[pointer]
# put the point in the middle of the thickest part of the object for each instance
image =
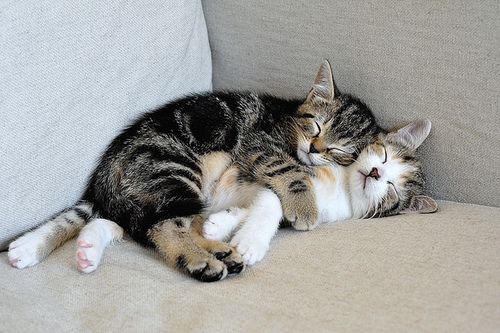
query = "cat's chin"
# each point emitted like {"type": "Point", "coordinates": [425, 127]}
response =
{"type": "Point", "coordinates": [304, 158]}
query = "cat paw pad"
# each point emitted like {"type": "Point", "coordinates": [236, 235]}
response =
{"type": "Point", "coordinates": [88, 256]}
{"type": "Point", "coordinates": [204, 269]}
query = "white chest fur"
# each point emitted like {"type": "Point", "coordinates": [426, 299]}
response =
{"type": "Point", "coordinates": [332, 195]}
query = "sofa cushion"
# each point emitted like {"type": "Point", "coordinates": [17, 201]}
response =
{"type": "Point", "coordinates": [420, 273]}
{"type": "Point", "coordinates": [407, 60]}
{"type": "Point", "coordinates": [72, 75]}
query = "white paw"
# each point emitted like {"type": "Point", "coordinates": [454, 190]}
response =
{"type": "Point", "coordinates": [213, 230]}
{"type": "Point", "coordinates": [219, 225]}
{"type": "Point", "coordinates": [24, 251]}
{"type": "Point", "coordinates": [93, 240]}
{"type": "Point", "coordinates": [88, 254]}
{"type": "Point", "coordinates": [251, 249]}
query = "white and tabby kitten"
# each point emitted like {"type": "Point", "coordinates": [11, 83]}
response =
{"type": "Point", "coordinates": [385, 180]}
{"type": "Point", "coordinates": [156, 178]}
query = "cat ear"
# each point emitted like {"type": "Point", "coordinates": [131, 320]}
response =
{"type": "Point", "coordinates": [413, 134]}
{"type": "Point", "coordinates": [324, 88]}
{"type": "Point", "coordinates": [421, 204]}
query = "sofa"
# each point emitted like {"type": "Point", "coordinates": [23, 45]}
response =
{"type": "Point", "coordinates": [73, 74]}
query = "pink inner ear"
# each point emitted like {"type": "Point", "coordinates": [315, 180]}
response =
{"type": "Point", "coordinates": [413, 134]}
{"type": "Point", "coordinates": [424, 204]}
{"type": "Point", "coordinates": [323, 87]}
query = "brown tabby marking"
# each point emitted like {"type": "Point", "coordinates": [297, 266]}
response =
{"type": "Point", "coordinates": [229, 179]}
{"type": "Point", "coordinates": [325, 174]}
{"type": "Point", "coordinates": [175, 243]}
{"type": "Point", "coordinates": [222, 251]}
{"type": "Point", "coordinates": [212, 166]}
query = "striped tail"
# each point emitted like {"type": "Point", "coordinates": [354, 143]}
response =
{"type": "Point", "coordinates": [34, 246]}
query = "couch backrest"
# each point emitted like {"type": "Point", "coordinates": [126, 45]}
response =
{"type": "Point", "coordinates": [407, 60]}
{"type": "Point", "coordinates": [72, 74]}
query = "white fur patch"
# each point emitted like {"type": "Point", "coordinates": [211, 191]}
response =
{"type": "Point", "coordinates": [34, 246]}
{"type": "Point", "coordinates": [227, 192]}
{"type": "Point", "coordinates": [253, 238]}
{"type": "Point", "coordinates": [92, 241]}
{"type": "Point", "coordinates": [24, 251]}
{"type": "Point", "coordinates": [332, 199]}
{"type": "Point", "coordinates": [219, 226]}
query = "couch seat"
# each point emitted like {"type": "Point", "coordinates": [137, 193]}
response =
{"type": "Point", "coordinates": [426, 273]}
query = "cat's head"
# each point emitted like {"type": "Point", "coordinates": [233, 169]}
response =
{"type": "Point", "coordinates": [387, 177]}
{"type": "Point", "coordinates": [332, 127]}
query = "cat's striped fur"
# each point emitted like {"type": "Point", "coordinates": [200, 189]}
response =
{"type": "Point", "coordinates": [386, 179]}
{"type": "Point", "coordinates": [157, 175]}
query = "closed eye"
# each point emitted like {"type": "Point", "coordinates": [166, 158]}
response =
{"type": "Point", "coordinates": [337, 149]}
{"type": "Point", "coordinates": [319, 129]}
{"type": "Point", "coordinates": [385, 159]}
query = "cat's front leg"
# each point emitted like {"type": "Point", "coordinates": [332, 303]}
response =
{"type": "Point", "coordinates": [299, 202]}
{"type": "Point", "coordinates": [292, 184]}
{"type": "Point", "coordinates": [254, 236]}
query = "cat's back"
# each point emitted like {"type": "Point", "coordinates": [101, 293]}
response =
{"type": "Point", "coordinates": [185, 130]}
{"type": "Point", "coordinates": [212, 121]}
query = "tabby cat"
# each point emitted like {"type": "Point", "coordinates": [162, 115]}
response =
{"type": "Point", "coordinates": [386, 179]}
{"type": "Point", "coordinates": [159, 174]}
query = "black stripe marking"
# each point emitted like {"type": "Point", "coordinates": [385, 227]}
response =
{"type": "Point", "coordinates": [259, 159]}
{"type": "Point", "coordinates": [161, 154]}
{"type": "Point", "coordinates": [412, 182]}
{"type": "Point", "coordinates": [169, 173]}
{"type": "Point", "coordinates": [297, 186]}
{"type": "Point", "coordinates": [81, 213]}
{"type": "Point", "coordinates": [181, 262]}
{"type": "Point", "coordinates": [408, 158]}
{"type": "Point", "coordinates": [281, 171]}
{"type": "Point", "coordinates": [175, 185]}
{"type": "Point", "coordinates": [275, 163]}
{"type": "Point", "coordinates": [180, 207]}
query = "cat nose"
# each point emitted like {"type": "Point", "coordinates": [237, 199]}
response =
{"type": "Point", "coordinates": [313, 149]}
{"type": "Point", "coordinates": [374, 173]}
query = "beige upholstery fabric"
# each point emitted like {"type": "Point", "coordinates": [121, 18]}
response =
{"type": "Point", "coordinates": [426, 273]}
{"type": "Point", "coordinates": [406, 59]}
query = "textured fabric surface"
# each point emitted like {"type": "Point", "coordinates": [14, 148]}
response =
{"type": "Point", "coordinates": [419, 273]}
{"type": "Point", "coordinates": [406, 59]}
{"type": "Point", "coordinates": [72, 75]}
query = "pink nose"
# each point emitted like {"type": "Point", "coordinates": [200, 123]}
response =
{"type": "Point", "coordinates": [374, 173]}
